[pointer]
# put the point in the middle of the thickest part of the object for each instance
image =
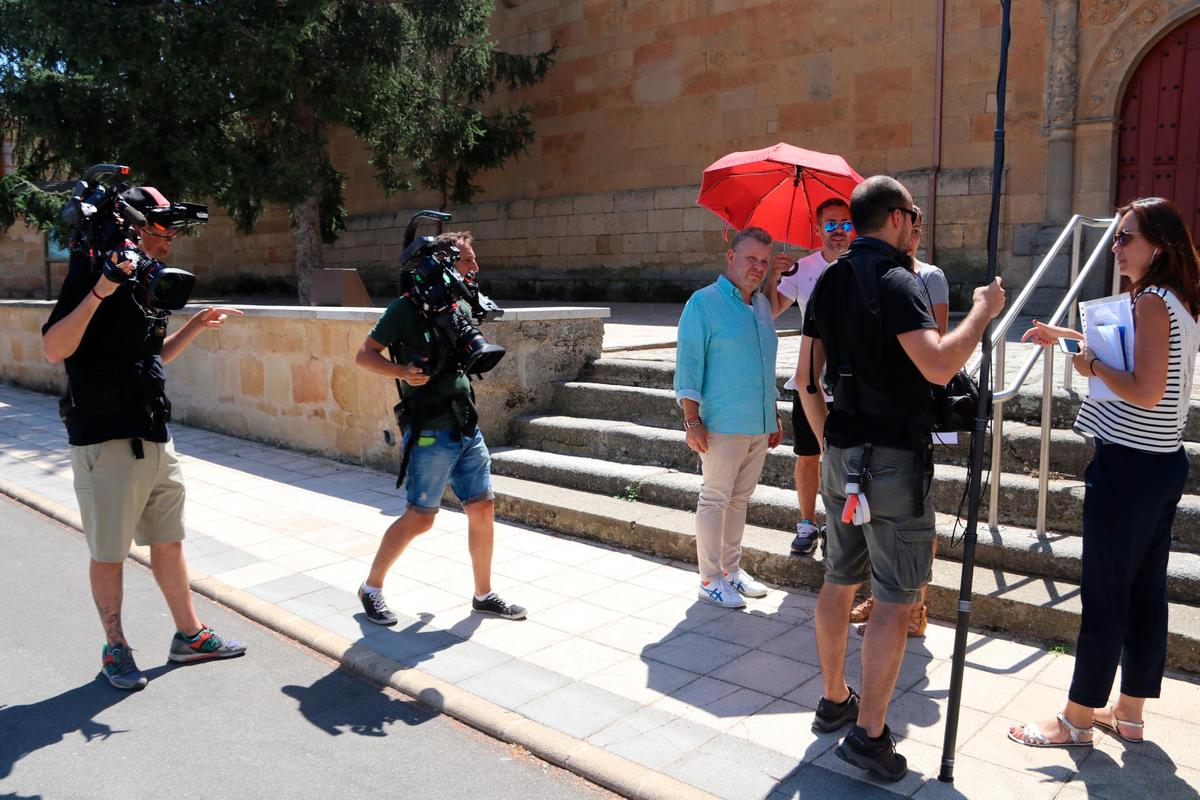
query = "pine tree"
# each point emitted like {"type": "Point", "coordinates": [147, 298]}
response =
{"type": "Point", "coordinates": [234, 100]}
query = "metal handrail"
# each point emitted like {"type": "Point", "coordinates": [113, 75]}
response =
{"type": "Point", "coordinates": [1067, 307]}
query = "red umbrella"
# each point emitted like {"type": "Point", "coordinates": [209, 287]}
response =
{"type": "Point", "coordinates": [778, 189]}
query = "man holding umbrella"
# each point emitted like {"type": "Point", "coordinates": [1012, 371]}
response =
{"type": "Point", "coordinates": [836, 231]}
{"type": "Point", "coordinates": [869, 320]}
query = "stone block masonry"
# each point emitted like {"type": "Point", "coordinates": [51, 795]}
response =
{"type": "Point", "coordinates": [286, 375]}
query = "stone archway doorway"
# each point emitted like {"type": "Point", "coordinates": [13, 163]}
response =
{"type": "Point", "coordinates": [1158, 150]}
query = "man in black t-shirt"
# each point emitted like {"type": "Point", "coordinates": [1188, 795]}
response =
{"type": "Point", "coordinates": [126, 475]}
{"type": "Point", "coordinates": [869, 319]}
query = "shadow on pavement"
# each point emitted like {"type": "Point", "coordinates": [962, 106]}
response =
{"type": "Point", "coordinates": [342, 702]}
{"type": "Point", "coordinates": [25, 729]}
{"type": "Point", "coordinates": [1144, 770]}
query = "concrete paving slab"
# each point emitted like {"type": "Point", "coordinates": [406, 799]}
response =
{"type": "Point", "coordinates": [576, 658]}
{"type": "Point", "coordinates": [765, 672]}
{"type": "Point", "coordinates": [578, 709]}
{"type": "Point", "coordinates": [640, 680]}
{"type": "Point", "coordinates": [458, 661]}
{"type": "Point", "coordinates": [663, 745]}
{"type": "Point", "coordinates": [694, 652]}
{"type": "Point", "coordinates": [578, 616]}
{"type": "Point", "coordinates": [514, 683]}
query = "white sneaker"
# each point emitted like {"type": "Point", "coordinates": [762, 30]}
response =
{"type": "Point", "coordinates": [745, 584]}
{"type": "Point", "coordinates": [721, 593]}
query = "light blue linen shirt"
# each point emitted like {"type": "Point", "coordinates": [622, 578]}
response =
{"type": "Point", "coordinates": [725, 359]}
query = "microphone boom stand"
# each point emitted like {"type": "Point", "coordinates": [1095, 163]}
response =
{"type": "Point", "coordinates": [983, 412]}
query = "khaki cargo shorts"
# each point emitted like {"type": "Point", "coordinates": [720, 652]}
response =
{"type": "Point", "coordinates": [894, 551]}
{"type": "Point", "coordinates": [124, 499]}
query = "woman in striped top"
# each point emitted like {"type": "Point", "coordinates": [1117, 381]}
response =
{"type": "Point", "coordinates": [1133, 483]}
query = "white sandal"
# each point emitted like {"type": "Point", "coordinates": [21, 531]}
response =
{"type": "Point", "coordinates": [1032, 736]}
{"type": "Point", "coordinates": [1115, 728]}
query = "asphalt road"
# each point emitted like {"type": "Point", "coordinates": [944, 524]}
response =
{"type": "Point", "coordinates": [280, 722]}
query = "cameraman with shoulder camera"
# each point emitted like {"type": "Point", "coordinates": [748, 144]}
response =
{"type": "Point", "coordinates": [448, 446]}
{"type": "Point", "coordinates": [127, 478]}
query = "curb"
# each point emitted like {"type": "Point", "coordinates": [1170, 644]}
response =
{"type": "Point", "coordinates": [586, 760]}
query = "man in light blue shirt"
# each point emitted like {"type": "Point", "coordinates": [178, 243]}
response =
{"type": "Point", "coordinates": [725, 383]}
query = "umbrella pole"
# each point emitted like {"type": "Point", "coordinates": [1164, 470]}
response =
{"type": "Point", "coordinates": [787, 231]}
{"type": "Point", "coordinates": [982, 414]}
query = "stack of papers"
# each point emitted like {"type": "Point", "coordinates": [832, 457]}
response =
{"type": "Point", "coordinates": [1108, 332]}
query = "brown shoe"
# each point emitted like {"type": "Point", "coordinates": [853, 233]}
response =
{"type": "Point", "coordinates": [917, 621]}
{"type": "Point", "coordinates": [862, 611]}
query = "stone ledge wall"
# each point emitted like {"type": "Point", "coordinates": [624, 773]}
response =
{"type": "Point", "coordinates": [286, 375]}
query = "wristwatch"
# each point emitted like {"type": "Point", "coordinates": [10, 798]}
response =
{"type": "Point", "coordinates": [691, 423]}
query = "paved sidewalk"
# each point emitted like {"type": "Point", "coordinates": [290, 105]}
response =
{"type": "Point", "coordinates": [616, 650]}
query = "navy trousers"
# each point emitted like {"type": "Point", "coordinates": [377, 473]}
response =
{"type": "Point", "coordinates": [1128, 508]}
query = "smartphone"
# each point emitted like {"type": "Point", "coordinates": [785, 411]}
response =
{"type": "Point", "coordinates": [1071, 347]}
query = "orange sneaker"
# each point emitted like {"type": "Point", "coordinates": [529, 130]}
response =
{"type": "Point", "coordinates": [918, 619]}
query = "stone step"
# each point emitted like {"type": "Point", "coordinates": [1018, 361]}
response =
{"type": "Point", "coordinates": [1069, 452]}
{"type": "Point", "coordinates": [1025, 407]}
{"type": "Point", "coordinates": [1011, 548]}
{"type": "Point", "coordinates": [631, 451]}
{"type": "Point", "coordinates": [1045, 610]}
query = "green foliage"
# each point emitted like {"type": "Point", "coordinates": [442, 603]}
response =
{"type": "Point", "coordinates": [453, 134]}
{"type": "Point", "coordinates": [235, 99]}
{"type": "Point", "coordinates": [629, 494]}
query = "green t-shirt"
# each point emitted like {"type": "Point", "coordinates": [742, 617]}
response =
{"type": "Point", "coordinates": [402, 330]}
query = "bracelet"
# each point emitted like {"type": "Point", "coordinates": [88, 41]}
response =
{"type": "Point", "coordinates": [1092, 364]}
{"type": "Point", "coordinates": [98, 297]}
{"type": "Point", "coordinates": [691, 423]}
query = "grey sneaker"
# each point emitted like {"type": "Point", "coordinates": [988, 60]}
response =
{"type": "Point", "coordinates": [119, 668]}
{"type": "Point", "coordinates": [492, 604]}
{"type": "Point", "coordinates": [205, 645]}
{"type": "Point", "coordinates": [808, 536]}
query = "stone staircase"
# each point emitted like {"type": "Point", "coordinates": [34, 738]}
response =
{"type": "Point", "coordinates": [609, 462]}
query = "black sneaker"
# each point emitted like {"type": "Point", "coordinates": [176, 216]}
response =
{"type": "Point", "coordinates": [375, 607]}
{"type": "Point", "coordinates": [492, 604]}
{"type": "Point", "coordinates": [874, 755]}
{"type": "Point", "coordinates": [832, 716]}
{"type": "Point", "coordinates": [808, 536]}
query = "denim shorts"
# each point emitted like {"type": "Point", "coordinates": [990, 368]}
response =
{"type": "Point", "coordinates": [439, 458]}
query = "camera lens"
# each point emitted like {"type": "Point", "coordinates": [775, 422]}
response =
{"type": "Point", "coordinates": [169, 288]}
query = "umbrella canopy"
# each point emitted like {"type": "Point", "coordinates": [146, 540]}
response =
{"type": "Point", "coordinates": [778, 189]}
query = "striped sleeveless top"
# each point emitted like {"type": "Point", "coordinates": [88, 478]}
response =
{"type": "Point", "coordinates": [1158, 429]}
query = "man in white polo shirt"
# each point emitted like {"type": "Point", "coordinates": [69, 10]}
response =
{"type": "Point", "coordinates": [795, 284]}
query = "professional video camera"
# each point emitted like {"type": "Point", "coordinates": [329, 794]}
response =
{"type": "Point", "coordinates": [103, 222]}
{"type": "Point", "coordinates": [428, 276]}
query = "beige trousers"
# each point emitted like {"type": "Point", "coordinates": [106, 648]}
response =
{"type": "Point", "coordinates": [730, 469]}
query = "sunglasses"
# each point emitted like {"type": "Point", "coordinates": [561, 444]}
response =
{"type": "Point", "coordinates": [847, 226]}
{"type": "Point", "coordinates": [911, 214]}
{"type": "Point", "coordinates": [159, 231]}
{"type": "Point", "coordinates": [1122, 237]}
